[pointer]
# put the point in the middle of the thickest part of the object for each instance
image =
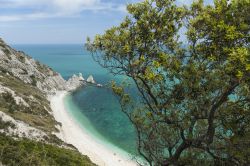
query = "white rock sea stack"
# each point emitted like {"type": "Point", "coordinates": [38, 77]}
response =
{"type": "Point", "coordinates": [90, 79]}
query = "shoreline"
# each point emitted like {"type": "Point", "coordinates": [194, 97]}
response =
{"type": "Point", "coordinates": [87, 144]}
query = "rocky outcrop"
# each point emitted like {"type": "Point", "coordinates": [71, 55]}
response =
{"type": "Point", "coordinates": [74, 82]}
{"type": "Point", "coordinates": [30, 71]}
{"type": "Point", "coordinates": [20, 129]}
{"type": "Point", "coordinates": [18, 100]}
{"type": "Point", "coordinates": [90, 79]}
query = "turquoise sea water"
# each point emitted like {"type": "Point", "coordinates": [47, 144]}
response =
{"type": "Point", "coordinates": [95, 108]}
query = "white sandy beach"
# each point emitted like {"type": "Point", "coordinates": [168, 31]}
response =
{"type": "Point", "coordinates": [73, 134]}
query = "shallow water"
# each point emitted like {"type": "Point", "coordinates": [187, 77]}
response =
{"type": "Point", "coordinates": [102, 110]}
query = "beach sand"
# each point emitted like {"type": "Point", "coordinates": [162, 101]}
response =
{"type": "Point", "coordinates": [72, 133]}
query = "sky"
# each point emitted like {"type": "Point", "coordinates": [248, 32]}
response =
{"type": "Point", "coordinates": [59, 21]}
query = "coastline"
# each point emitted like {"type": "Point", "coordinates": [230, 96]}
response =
{"type": "Point", "coordinates": [72, 133]}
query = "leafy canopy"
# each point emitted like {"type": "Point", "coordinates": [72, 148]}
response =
{"type": "Point", "coordinates": [195, 97]}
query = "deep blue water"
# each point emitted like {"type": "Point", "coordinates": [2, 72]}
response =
{"type": "Point", "coordinates": [98, 105]}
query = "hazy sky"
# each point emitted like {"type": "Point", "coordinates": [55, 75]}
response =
{"type": "Point", "coordinates": [59, 21]}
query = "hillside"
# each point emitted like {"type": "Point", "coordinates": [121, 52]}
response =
{"type": "Point", "coordinates": [27, 126]}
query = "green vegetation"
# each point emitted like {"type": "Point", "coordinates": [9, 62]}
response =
{"type": "Point", "coordinates": [25, 152]}
{"type": "Point", "coordinates": [21, 58]}
{"type": "Point", "coordinates": [34, 81]}
{"type": "Point", "coordinates": [3, 70]}
{"type": "Point", "coordinates": [195, 99]}
{"type": "Point", "coordinates": [10, 102]}
{"type": "Point", "coordinates": [37, 115]}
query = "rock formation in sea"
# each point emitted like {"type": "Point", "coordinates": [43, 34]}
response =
{"type": "Point", "coordinates": [90, 79]}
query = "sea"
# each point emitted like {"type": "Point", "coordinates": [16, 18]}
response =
{"type": "Point", "coordinates": [95, 109]}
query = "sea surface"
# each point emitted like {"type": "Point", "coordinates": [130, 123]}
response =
{"type": "Point", "coordinates": [96, 109]}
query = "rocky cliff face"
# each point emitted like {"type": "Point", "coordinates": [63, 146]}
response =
{"type": "Point", "coordinates": [20, 65]}
{"type": "Point", "coordinates": [25, 113]}
{"type": "Point", "coordinates": [25, 86]}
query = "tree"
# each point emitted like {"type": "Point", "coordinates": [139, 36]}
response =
{"type": "Point", "coordinates": [195, 98]}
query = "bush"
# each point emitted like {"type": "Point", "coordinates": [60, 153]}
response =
{"type": "Point", "coordinates": [26, 152]}
{"type": "Point", "coordinates": [11, 102]}
{"type": "Point", "coordinates": [34, 82]}
{"type": "Point", "coordinates": [5, 125]}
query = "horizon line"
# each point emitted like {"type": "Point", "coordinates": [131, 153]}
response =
{"type": "Point", "coordinates": [46, 43]}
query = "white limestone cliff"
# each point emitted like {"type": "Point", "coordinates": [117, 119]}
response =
{"type": "Point", "coordinates": [30, 71]}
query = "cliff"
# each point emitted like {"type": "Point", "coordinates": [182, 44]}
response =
{"type": "Point", "coordinates": [25, 115]}
{"type": "Point", "coordinates": [23, 67]}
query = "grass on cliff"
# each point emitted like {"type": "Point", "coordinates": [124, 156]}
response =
{"type": "Point", "coordinates": [37, 115]}
{"type": "Point", "coordinates": [26, 152]}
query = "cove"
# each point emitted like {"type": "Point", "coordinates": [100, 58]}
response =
{"type": "Point", "coordinates": [95, 109]}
